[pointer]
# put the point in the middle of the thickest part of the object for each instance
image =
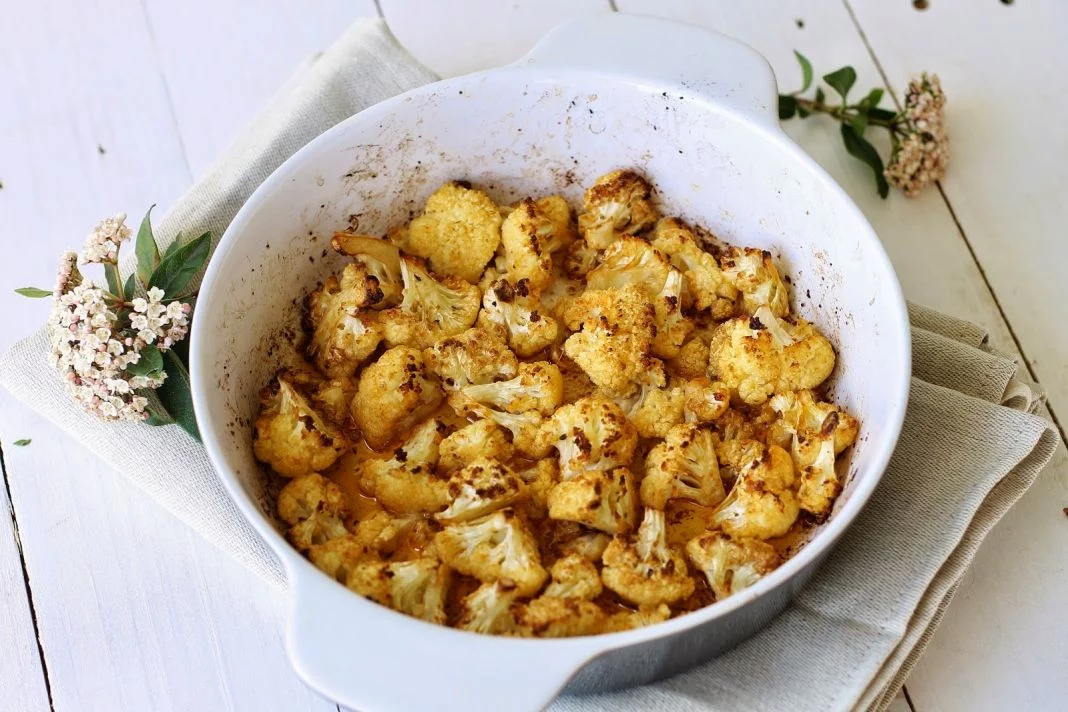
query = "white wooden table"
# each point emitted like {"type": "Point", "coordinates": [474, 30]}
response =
{"type": "Point", "coordinates": [107, 603]}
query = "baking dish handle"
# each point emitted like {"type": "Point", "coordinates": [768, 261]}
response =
{"type": "Point", "coordinates": [667, 54]}
{"type": "Point", "coordinates": [376, 660]}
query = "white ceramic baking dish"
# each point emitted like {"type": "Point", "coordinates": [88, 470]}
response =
{"type": "Point", "coordinates": [696, 112]}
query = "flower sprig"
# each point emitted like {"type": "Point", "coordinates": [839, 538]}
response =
{"type": "Point", "coordinates": [919, 143]}
{"type": "Point", "coordinates": [118, 348]}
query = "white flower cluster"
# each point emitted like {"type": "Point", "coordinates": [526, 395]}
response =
{"type": "Point", "coordinates": [921, 157]}
{"type": "Point", "coordinates": [159, 323]}
{"type": "Point", "coordinates": [102, 244]}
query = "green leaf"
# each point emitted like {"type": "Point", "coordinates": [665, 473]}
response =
{"type": "Point", "coordinates": [175, 244]}
{"type": "Point", "coordinates": [859, 123]}
{"type": "Point", "coordinates": [841, 80]}
{"type": "Point", "coordinates": [872, 99]}
{"type": "Point", "coordinates": [803, 112]}
{"type": "Point", "coordinates": [806, 71]}
{"type": "Point", "coordinates": [23, 442]}
{"type": "Point", "coordinates": [111, 273]}
{"type": "Point", "coordinates": [820, 96]}
{"type": "Point", "coordinates": [146, 249]}
{"type": "Point", "coordinates": [158, 416]}
{"type": "Point", "coordinates": [175, 270]}
{"type": "Point", "coordinates": [175, 395]}
{"type": "Point", "coordinates": [130, 286]}
{"type": "Point", "coordinates": [787, 106]}
{"type": "Point", "coordinates": [882, 114]}
{"type": "Point", "coordinates": [859, 148]}
{"type": "Point", "coordinates": [34, 292]}
{"type": "Point", "coordinates": [151, 361]}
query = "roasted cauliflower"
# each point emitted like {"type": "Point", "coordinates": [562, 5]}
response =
{"type": "Point", "coordinates": [457, 233]}
{"type": "Point", "coordinates": [646, 571]}
{"type": "Point", "coordinates": [533, 230]}
{"type": "Point", "coordinates": [315, 510]}
{"type": "Point", "coordinates": [573, 576]}
{"type": "Point", "coordinates": [691, 361]}
{"type": "Point", "coordinates": [513, 310]}
{"type": "Point", "coordinates": [417, 587]}
{"type": "Point", "coordinates": [538, 386]}
{"type": "Point", "coordinates": [630, 260]}
{"type": "Point", "coordinates": [591, 434]}
{"type": "Point", "coordinates": [343, 331]}
{"type": "Point", "coordinates": [482, 487]}
{"type": "Point", "coordinates": [430, 309]}
{"type": "Point", "coordinates": [497, 547]}
{"type": "Point", "coordinates": [395, 393]}
{"type": "Point", "coordinates": [656, 406]}
{"type": "Point", "coordinates": [704, 400]}
{"type": "Point", "coordinates": [406, 483]}
{"type": "Point", "coordinates": [475, 356]}
{"type": "Point", "coordinates": [380, 259]}
{"type": "Point", "coordinates": [600, 500]}
{"type": "Point", "coordinates": [488, 609]}
{"type": "Point", "coordinates": [757, 356]}
{"type": "Point", "coordinates": [706, 284]}
{"type": "Point", "coordinates": [482, 438]}
{"type": "Point", "coordinates": [804, 423]}
{"type": "Point", "coordinates": [552, 617]}
{"type": "Point", "coordinates": [754, 275]}
{"type": "Point", "coordinates": [618, 203]}
{"type": "Point", "coordinates": [731, 565]}
{"type": "Point", "coordinates": [762, 503]}
{"type": "Point", "coordinates": [683, 466]}
{"type": "Point", "coordinates": [290, 435]}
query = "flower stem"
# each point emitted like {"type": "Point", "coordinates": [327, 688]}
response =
{"type": "Point", "coordinates": [846, 113]}
{"type": "Point", "coordinates": [111, 271]}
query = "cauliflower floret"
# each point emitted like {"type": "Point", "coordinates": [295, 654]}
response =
{"type": "Point", "coordinates": [629, 620]}
{"type": "Point", "coordinates": [760, 355]}
{"type": "Point", "coordinates": [804, 422]}
{"type": "Point", "coordinates": [332, 398]}
{"type": "Point", "coordinates": [290, 436]}
{"type": "Point", "coordinates": [475, 356]}
{"type": "Point", "coordinates": [683, 466]}
{"type": "Point", "coordinates": [556, 298]}
{"type": "Point", "coordinates": [431, 308]}
{"type": "Point", "coordinates": [406, 482]}
{"type": "Point", "coordinates": [488, 609]}
{"type": "Point", "coordinates": [577, 384]}
{"type": "Point", "coordinates": [529, 235]}
{"type": "Point", "coordinates": [558, 212]}
{"type": "Point", "coordinates": [691, 361]}
{"type": "Point", "coordinates": [736, 438]}
{"type": "Point", "coordinates": [482, 487]}
{"type": "Point", "coordinates": [590, 434]}
{"type": "Point", "coordinates": [539, 386]}
{"type": "Point", "coordinates": [589, 546]}
{"type": "Point", "coordinates": [417, 587]}
{"type": "Point", "coordinates": [338, 556]}
{"type": "Point", "coordinates": [617, 203]}
{"type": "Point", "coordinates": [753, 273]}
{"type": "Point", "coordinates": [600, 500]}
{"type": "Point", "coordinates": [731, 565]}
{"type": "Point", "coordinates": [513, 310]}
{"type": "Point", "coordinates": [614, 331]}
{"type": "Point", "coordinates": [762, 503]}
{"type": "Point", "coordinates": [580, 259]}
{"type": "Point", "coordinates": [540, 480]}
{"type": "Point", "coordinates": [315, 509]}
{"type": "Point", "coordinates": [495, 547]}
{"type": "Point", "coordinates": [706, 284]}
{"type": "Point", "coordinates": [457, 233]}
{"type": "Point", "coordinates": [524, 427]}
{"type": "Point", "coordinates": [551, 617]}
{"type": "Point", "coordinates": [379, 258]}
{"type": "Point", "coordinates": [705, 400]}
{"type": "Point", "coordinates": [574, 577]}
{"type": "Point", "coordinates": [672, 327]}
{"type": "Point", "coordinates": [482, 438]}
{"type": "Point", "coordinates": [656, 407]}
{"type": "Point", "coordinates": [630, 260]}
{"type": "Point", "coordinates": [381, 532]}
{"type": "Point", "coordinates": [647, 572]}
{"type": "Point", "coordinates": [342, 329]}
{"type": "Point", "coordinates": [395, 393]}
{"type": "Point", "coordinates": [818, 483]}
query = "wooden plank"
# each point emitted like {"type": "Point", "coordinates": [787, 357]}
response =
{"type": "Point", "coordinates": [22, 677]}
{"type": "Point", "coordinates": [484, 34]}
{"type": "Point", "coordinates": [223, 60]}
{"type": "Point", "coordinates": [135, 611]}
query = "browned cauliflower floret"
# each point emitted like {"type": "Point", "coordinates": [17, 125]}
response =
{"type": "Point", "coordinates": [482, 487]}
{"type": "Point", "coordinates": [557, 297]}
{"type": "Point", "coordinates": [731, 565]}
{"type": "Point", "coordinates": [576, 383]}
{"type": "Point", "coordinates": [629, 620]}
{"type": "Point", "coordinates": [379, 258]}
{"type": "Point", "coordinates": [333, 399]}
{"type": "Point", "coordinates": [756, 356]}
{"type": "Point", "coordinates": [753, 273]}
{"type": "Point", "coordinates": [736, 438]}
{"type": "Point", "coordinates": [482, 438]}
{"type": "Point", "coordinates": [591, 434]}
{"type": "Point", "coordinates": [580, 259]}
{"type": "Point", "coordinates": [706, 284]}
{"type": "Point", "coordinates": [818, 483]}
{"type": "Point", "coordinates": [617, 203]}
{"type": "Point", "coordinates": [524, 427]}
{"type": "Point", "coordinates": [683, 466]}
{"type": "Point", "coordinates": [343, 331]}
{"type": "Point", "coordinates": [406, 483]}
{"type": "Point", "coordinates": [395, 393]}
{"type": "Point", "coordinates": [457, 233]}
{"type": "Point", "coordinates": [655, 407]}
{"type": "Point", "coordinates": [290, 435]}
{"type": "Point", "coordinates": [338, 556]}
{"type": "Point", "coordinates": [574, 577]}
{"type": "Point", "coordinates": [539, 386]}
{"type": "Point", "coordinates": [762, 503]}
{"type": "Point", "coordinates": [488, 609]}
{"type": "Point", "coordinates": [513, 310]}
{"type": "Point", "coordinates": [315, 510]}
{"type": "Point", "coordinates": [600, 500]}
{"type": "Point", "coordinates": [530, 233]}
{"type": "Point", "coordinates": [430, 309]}
{"type": "Point", "coordinates": [381, 532]}
{"type": "Point", "coordinates": [551, 617]}
{"type": "Point", "coordinates": [691, 361]}
{"type": "Point", "coordinates": [647, 572]}
{"type": "Point", "coordinates": [590, 545]}
{"type": "Point", "coordinates": [672, 327]}
{"type": "Point", "coordinates": [418, 587]}
{"type": "Point", "coordinates": [540, 480]}
{"type": "Point", "coordinates": [614, 331]}
{"type": "Point", "coordinates": [494, 548]}
{"type": "Point", "coordinates": [804, 423]}
{"type": "Point", "coordinates": [706, 400]}
{"type": "Point", "coordinates": [630, 260]}
{"type": "Point", "coordinates": [475, 356]}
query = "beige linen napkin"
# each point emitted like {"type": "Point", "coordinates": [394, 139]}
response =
{"type": "Point", "coordinates": [969, 449]}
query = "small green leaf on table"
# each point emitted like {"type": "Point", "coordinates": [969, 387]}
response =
{"type": "Point", "coordinates": [841, 80]}
{"type": "Point", "coordinates": [806, 71]}
{"type": "Point", "coordinates": [787, 106]}
{"type": "Point", "coordinates": [860, 148]}
{"type": "Point", "coordinates": [34, 292]}
{"type": "Point", "coordinates": [23, 442]}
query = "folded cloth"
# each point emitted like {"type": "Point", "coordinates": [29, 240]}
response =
{"type": "Point", "coordinates": [970, 447]}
